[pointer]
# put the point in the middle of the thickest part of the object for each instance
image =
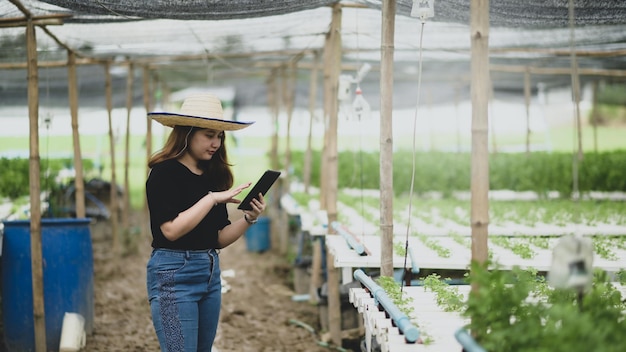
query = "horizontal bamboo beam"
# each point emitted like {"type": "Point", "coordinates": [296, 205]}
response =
{"type": "Point", "coordinates": [37, 21]}
{"type": "Point", "coordinates": [558, 70]}
{"type": "Point", "coordinates": [561, 52]}
{"type": "Point", "coordinates": [51, 64]}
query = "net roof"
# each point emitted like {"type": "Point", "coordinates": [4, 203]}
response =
{"type": "Point", "coordinates": [236, 43]}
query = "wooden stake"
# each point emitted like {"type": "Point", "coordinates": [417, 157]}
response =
{"type": "Point", "coordinates": [129, 106]}
{"type": "Point", "coordinates": [147, 102]}
{"type": "Point", "coordinates": [308, 156]}
{"type": "Point", "coordinates": [575, 89]}
{"type": "Point", "coordinates": [595, 115]}
{"type": "Point", "coordinates": [527, 104]}
{"type": "Point", "coordinates": [386, 137]}
{"type": "Point", "coordinates": [79, 183]}
{"type": "Point", "coordinates": [480, 88]}
{"type": "Point", "coordinates": [272, 98]}
{"type": "Point", "coordinates": [35, 191]}
{"type": "Point", "coordinates": [115, 244]}
{"type": "Point", "coordinates": [332, 163]}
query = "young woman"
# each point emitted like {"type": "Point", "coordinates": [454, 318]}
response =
{"type": "Point", "coordinates": [189, 185]}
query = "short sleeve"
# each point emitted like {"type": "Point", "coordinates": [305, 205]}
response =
{"type": "Point", "coordinates": [161, 192]}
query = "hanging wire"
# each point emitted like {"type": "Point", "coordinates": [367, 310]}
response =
{"type": "Point", "coordinates": [419, 86]}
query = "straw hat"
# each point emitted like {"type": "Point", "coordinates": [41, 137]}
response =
{"type": "Point", "coordinates": [199, 110]}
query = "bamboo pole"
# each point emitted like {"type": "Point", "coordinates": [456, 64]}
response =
{"type": "Point", "coordinates": [35, 20]}
{"type": "Point", "coordinates": [527, 104]}
{"type": "Point", "coordinates": [480, 88]}
{"type": "Point", "coordinates": [594, 115]}
{"type": "Point", "coordinates": [386, 137]}
{"type": "Point", "coordinates": [457, 98]}
{"type": "Point", "coordinates": [147, 102]}
{"type": "Point", "coordinates": [558, 70]}
{"type": "Point", "coordinates": [334, 63]}
{"type": "Point", "coordinates": [290, 101]}
{"type": "Point", "coordinates": [115, 244]}
{"type": "Point", "coordinates": [272, 102]}
{"type": "Point", "coordinates": [39, 316]}
{"type": "Point", "coordinates": [129, 107]}
{"type": "Point", "coordinates": [327, 60]}
{"type": "Point", "coordinates": [272, 97]}
{"type": "Point", "coordinates": [79, 183]}
{"type": "Point", "coordinates": [575, 86]}
{"type": "Point", "coordinates": [492, 125]}
{"type": "Point", "coordinates": [308, 156]}
{"type": "Point", "coordinates": [316, 260]}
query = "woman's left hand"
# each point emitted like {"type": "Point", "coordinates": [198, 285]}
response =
{"type": "Point", "coordinates": [258, 206]}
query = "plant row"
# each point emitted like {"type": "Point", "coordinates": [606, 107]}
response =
{"type": "Point", "coordinates": [540, 172]}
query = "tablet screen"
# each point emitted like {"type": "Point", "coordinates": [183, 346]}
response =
{"type": "Point", "coordinates": [262, 186]}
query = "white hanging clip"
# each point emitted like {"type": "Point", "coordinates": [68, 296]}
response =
{"type": "Point", "coordinates": [360, 107]}
{"type": "Point", "coordinates": [423, 9]}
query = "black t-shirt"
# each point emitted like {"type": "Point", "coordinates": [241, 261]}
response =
{"type": "Point", "coordinates": [172, 188]}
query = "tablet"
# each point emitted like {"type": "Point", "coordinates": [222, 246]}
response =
{"type": "Point", "coordinates": [262, 186]}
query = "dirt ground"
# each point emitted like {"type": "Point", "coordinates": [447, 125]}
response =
{"type": "Point", "coordinates": [256, 309]}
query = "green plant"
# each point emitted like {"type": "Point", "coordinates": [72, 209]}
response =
{"type": "Point", "coordinates": [448, 297]}
{"type": "Point", "coordinates": [394, 291]}
{"type": "Point", "coordinates": [515, 311]}
{"type": "Point", "coordinates": [521, 249]}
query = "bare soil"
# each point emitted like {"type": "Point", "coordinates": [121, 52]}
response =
{"type": "Point", "coordinates": [257, 309]}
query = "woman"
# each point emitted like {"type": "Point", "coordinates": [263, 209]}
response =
{"type": "Point", "coordinates": [187, 190]}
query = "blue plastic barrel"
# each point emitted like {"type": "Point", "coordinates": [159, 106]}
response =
{"type": "Point", "coordinates": [258, 235]}
{"type": "Point", "coordinates": [67, 280]}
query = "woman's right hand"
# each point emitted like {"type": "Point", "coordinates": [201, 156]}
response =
{"type": "Point", "coordinates": [229, 195]}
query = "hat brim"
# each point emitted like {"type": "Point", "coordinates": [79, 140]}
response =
{"type": "Point", "coordinates": [171, 120]}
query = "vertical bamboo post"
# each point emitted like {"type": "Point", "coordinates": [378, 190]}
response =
{"type": "Point", "coordinates": [332, 164]}
{"type": "Point", "coordinates": [326, 107]}
{"type": "Point", "coordinates": [147, 102]}
{"type": "Point", "coordinates": [129, 105]}
{"type": "Point", "coordinates": [79, 183]}
{"type": "Point", "coordinates": [39, 315]}
{"type": "Point", "coordinates": [386, 137]}
{"type": "Point", "coordinates": [594, 116]}
{"type": "Point", "coordinates": [308, 156]}
{"type": "Point", "coordinates": [113, 192]}
{"type": "Point", "coordinates": [527, 104]}
{"type": "Point", "coordinates": [273, 100]}
{"type": "Point", "coordinates": [480, 88]}
{"type": "Point", "coordinates": [316, 261]}
{"type": "Point", "coordinates": [287, 102]}
{"type": "Point", "coordinates": [165, 99]}
{"type": "Point", "coordinates": [272, 97]}
{"type": "Point", "coordinates": [492, 125]}
{"type": "Point", "coordinates": [575, 89]}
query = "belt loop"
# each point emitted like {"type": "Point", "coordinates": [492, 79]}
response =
{"type": "Point", "coordinates": [187, 254]}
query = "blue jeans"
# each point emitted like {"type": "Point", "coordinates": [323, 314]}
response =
{"type": "Point", "coordinates": [185, 294]}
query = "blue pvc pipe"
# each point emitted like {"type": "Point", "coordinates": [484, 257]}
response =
{"type": "Point", "coordinates": [402, 321]}
{"type": "Point", "coordinates": [352, 242]}
{"type": "Point", "coordinates": [414, 267]}
{"type": "Point", "coordinates": [467, 341]}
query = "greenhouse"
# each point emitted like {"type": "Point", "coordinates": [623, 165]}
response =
{"type": "Point", "coordinates": [452, 173]}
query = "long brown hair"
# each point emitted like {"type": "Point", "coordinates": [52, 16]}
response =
{"type": "Point", "coordinates": [178, 142]}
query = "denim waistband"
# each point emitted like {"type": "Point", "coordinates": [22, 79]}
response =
{"type": "Point", "coordinates": [188, 253]}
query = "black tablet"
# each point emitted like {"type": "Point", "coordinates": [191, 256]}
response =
{"type": "Point", "coordinates": [262, 186]}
